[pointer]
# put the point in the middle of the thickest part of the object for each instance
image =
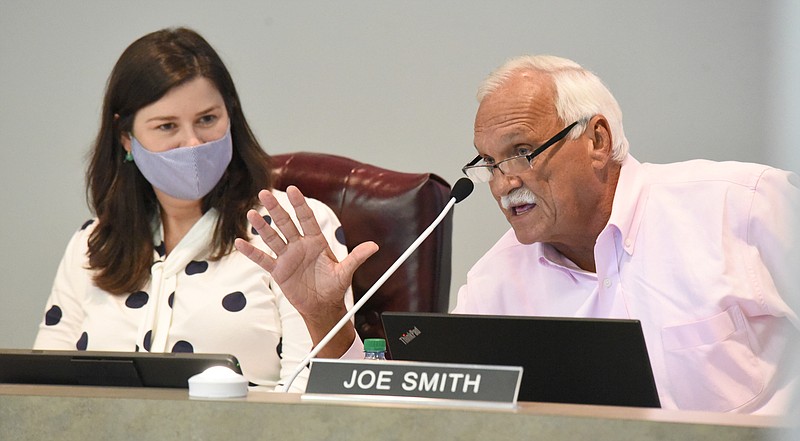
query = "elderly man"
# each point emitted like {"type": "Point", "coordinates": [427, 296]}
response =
{"type": "Point", "coordinates": [697, 251]}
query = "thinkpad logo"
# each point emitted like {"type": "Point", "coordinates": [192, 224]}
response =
{"type": "Point", "coordinates": [411, 334]}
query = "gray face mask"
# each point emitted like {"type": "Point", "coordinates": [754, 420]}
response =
{"type": "Point", "coordinates": [185, 172]}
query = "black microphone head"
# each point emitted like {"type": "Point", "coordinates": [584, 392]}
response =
{"type": "Point", "coordinates": [462, 189]}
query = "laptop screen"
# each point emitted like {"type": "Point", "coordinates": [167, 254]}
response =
{"type": "Point", "coordinates": [131, 369]}
{"type": "Point", "coordinates": [564, 360]}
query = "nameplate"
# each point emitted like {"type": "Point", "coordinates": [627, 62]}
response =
{"type": "Point", "coordinates": [415, 380]}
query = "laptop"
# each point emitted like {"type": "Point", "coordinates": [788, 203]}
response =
{"type": "Point", "coordinates": [564, 360]}
{"type": "Point", "coordinates": [95, 368]}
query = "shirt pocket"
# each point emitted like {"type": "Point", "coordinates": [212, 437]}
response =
{"type": "Point", "coordinates": [710, 363]}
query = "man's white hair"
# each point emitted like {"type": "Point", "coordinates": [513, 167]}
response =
{"type": "Point", "coordinates": [580, 94]}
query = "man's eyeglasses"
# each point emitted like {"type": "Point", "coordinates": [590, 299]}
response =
{"type": "Point", "coordinates": [510, 166]}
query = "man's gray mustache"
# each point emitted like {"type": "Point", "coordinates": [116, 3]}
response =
{"type": "Point", "coordinates": [520, 196]}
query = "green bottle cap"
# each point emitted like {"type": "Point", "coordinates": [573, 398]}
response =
{"type": "Point", "coordinates": [374, 345]}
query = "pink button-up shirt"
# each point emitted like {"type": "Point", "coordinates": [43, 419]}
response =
{"type": "Point", "coordinates": [698, 252]}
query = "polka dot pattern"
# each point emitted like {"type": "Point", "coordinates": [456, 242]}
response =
{"type": "Point", "coordinates": [183, 346]}
{"type": "Point", "coordinates": [340, 235]}
{"type": "Point", "coordinates": [234, 302]}
{"type": "Point", "coordinates": [161, 249]}
{"type": "Point", "coordinates": [224, 305]}
{"type": "Point", "coordinates": [53, 316]}
{"type": "Point", "coordinates": [267, 219]}
{"type": "Point", "coordinates": [83, 342]}
{"type": "Point", "coordinates": [137, 300]}
{"type": "Point", "coordinates": [148, 341]}
{"type": "Point", "coordinates": [196, 267]}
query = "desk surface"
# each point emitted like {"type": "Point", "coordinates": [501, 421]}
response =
{"type": "Point", "coordinates": [66, 413]}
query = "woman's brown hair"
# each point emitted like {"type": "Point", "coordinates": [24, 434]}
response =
{"type": "Point", "coordinates": [121, 244]}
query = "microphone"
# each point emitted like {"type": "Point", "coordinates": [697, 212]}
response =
{"type": "Point", "coordinates": [462, 188]}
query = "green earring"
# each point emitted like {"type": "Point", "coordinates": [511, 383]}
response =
{"type": "Point", "coordinates": [128, 157]}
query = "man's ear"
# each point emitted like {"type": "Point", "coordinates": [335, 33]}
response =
{"type": "Point", "coordinates": [600, 147]}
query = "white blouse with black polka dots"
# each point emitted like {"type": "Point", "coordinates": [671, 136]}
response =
{"type": "Point", "coordinates": [190, 304]}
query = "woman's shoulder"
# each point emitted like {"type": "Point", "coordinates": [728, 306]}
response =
{"type": "Point", "coordinates": [85, 230]}
{"type": "Point", "coordinates": [78, 245]}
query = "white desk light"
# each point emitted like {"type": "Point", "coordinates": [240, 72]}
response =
{"type": "Point", "coordinates": [217, 382]}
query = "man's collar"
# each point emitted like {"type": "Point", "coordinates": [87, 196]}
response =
{"type": "Point", "coordinates": [626, 213]}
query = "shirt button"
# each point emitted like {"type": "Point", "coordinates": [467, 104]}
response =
{"type": "Point", "coordinates": [607, 283]}
{"type": "Point", "coordinates": [627, 242]}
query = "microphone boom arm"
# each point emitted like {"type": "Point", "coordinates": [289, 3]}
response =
{"type": "Point", "coordinates": [329, 336]}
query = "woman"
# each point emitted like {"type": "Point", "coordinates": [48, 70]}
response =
{"type": "Point", "coordinates": [173, 172]}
